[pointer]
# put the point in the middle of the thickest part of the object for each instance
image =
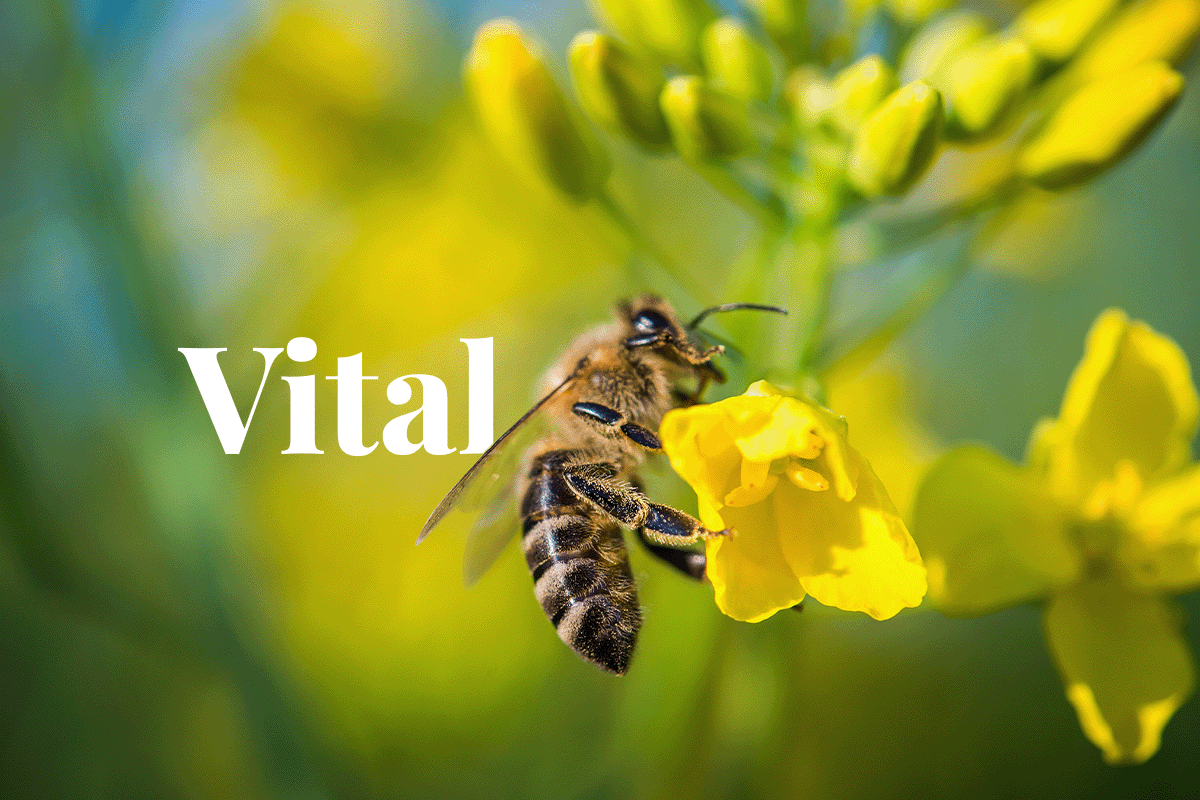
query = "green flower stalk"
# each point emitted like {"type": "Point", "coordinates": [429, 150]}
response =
{"type": "Point", "coordinates": [898, 142]}
{"type": "Point", "coordinates": [736, 61]}
{"type": "Point", "coordinates": [707, 124]}
{"type": "Point", "coordinates": [1099, 125]}
{"type": "Point", "coordinates": [526, 115]}
{"type": "Point", "coordinates": [618, 90]}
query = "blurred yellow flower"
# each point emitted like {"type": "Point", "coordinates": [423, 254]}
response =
{"type": "Point", "coordinates": [527, 116]}
{"type": "Point", "coordinates": [1099, 125]}
{"type": "Point", "coordinates": [808, 513]}
{"type": "Point", "coordinates": [1103, 521]}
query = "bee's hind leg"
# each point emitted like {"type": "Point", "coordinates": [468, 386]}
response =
{"type": "Point", "coordinates": [689, 562]}
{"type": "Point", "coordinates": [627, 505]}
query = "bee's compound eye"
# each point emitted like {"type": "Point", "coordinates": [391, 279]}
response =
{"type": "Point", "coordinates": [650, 321]}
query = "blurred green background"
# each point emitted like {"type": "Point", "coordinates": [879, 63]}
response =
{"type": "Point", "coordinates": [181, 623]}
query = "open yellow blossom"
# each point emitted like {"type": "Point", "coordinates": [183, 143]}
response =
{"type": "Point", "coordinates": [1102, 522]}
{"type": "Point", "coordinates": [808, 513]}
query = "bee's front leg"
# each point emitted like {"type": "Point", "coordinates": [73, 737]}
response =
{"type": "Point", "coordinates": [601, 414]}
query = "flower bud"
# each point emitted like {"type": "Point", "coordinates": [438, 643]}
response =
{"type": "Point", "coordinates": [983, 85]}
{"type": "Point", "coordinates": [897, 142]}
{"type": "Point", "coordinates": [1055, 29]}
{"type": "Point", "coordinates": [937, 44]}
{"type": "Point", "coordinates": [706, 123]}
{"type": "Point", "coordinates": [736, 61]}
{"type": "Point", "coordinates": [1152, 30]}
{"type": "Point", "coordinates": [617, 90]}
{"type": "Point", "coordinates": [808, 95]}
{"type": "Point", "coordinates": [858, 90]}
{"type": "Point", "coordinates": [784, 21]}
{"type": "Point", "coordinates": [526, 115]}
{"type": "Point", "coordinates": [913, 12]}
{"type": "Point", "coordinates": [669, 30]}
{"type": "Point", "coordinates": [1100, 124]}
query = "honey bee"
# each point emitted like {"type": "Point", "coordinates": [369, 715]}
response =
{"type": "Point", "coordinates": [577, 483]}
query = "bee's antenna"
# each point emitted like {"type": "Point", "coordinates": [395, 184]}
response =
{"type": "Point", "coordinates": [733, 307]}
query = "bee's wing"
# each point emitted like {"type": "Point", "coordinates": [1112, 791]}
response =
{"type": "Point", "coordinates": [491, 472]}
{"type": "Point", "coordinates": [490, 534]}
{"type": "Point", "coordinates": [495, 496]}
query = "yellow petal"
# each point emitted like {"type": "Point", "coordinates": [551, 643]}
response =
{"type": "Point", "coordinates": [1161, 548]}
{"type": "Point", "coordinates": [1125, 665]}
{"type": "Point", "coordinates": [857, 555]}
{"type": "Point", "coordinates": [750, 576]}
{"type": "Point", "coordinates": [792, 429]}
{"type": "Point", "coordinates": [1041, 445]}
{"type": "Point", "coordinates": [990, 534]}
{"type": "Point", "coordinates": [1130, 399]}
{"type": "Point", "coordinates": [786, 427]}
{"type": "Point", "coordinates": [702, 452]}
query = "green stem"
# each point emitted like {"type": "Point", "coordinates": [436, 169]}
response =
{"type": "Point", "coordinates": [751, 279]}
{"type": "Point", "coordinates": [641, 242]}
{"type": "Point", "coordinates": [931, 288]}
{"type": "Point", "coordinates": [909, 233]}
{"type": "Point", "coordinates": [767, 208]}
{"type": "Point", "coordinates": [811, 287]}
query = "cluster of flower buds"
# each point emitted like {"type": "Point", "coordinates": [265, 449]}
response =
{"type": "Point", "coordinates": [1075, 85]}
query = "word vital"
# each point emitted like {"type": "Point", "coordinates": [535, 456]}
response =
{"type": "Point", "coordinates": [214, 390]}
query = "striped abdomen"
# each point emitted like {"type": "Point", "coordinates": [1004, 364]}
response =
{"type": "Point", "coordinates": [580, 567]}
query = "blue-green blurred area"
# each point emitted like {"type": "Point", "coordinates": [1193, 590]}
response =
{"type": "Point", "coordinates": [177, 622]}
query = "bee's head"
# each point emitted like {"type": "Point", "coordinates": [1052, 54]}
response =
{"type": "Point", "coordinates": [650, 323]}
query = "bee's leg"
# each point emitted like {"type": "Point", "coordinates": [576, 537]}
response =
{"type": "Point", "coordinates": [689, 562]}
{"type": "Point", "coordinates": [628, 506]}
{"type": "Point", "coordinates": [708, 373]}
{"type": "Point", "coordinates": [611, 418]}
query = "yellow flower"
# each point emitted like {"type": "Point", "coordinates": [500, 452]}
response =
{"type": "Point", "coordinates": [528, 118]}
{"type": "Point", "coordinates": [808, 513]}
{"type": "Point", "coordinates": [1102, 522]}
